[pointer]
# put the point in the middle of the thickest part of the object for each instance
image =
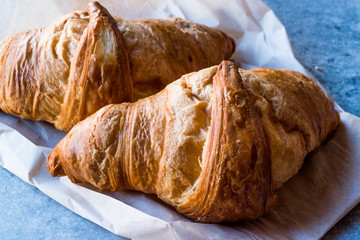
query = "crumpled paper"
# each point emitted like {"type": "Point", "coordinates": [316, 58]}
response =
{"type": "Point", "coordinates": [309, 204]}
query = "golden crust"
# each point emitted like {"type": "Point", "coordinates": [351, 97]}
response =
{"type": "Point", "coordinates": [214, 144]}
{"type": "Point", "coordinates": [84, 61]}
{"type": "Point", "coordinates": [293, 113]}
{"type": "Point", "coordinates": [100, 70]}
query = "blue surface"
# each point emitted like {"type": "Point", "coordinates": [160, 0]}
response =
{"type": "Point", "coordinates": [26, 213]}
{"type": "Point", "coordinates": [325, 37]}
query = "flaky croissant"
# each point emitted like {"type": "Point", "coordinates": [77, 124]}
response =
{"type": "Point", "coordinates": [65, 72]}
{"type": "Point", "coordinates": [214, 144]}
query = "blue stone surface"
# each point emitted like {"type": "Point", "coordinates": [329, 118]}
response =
{"type": "Point", "coordinates": [325, 36]}
{"type": "Point", "coordinates": [26, 213]}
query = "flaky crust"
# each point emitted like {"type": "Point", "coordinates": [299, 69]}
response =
{"type": "Point", "coordinates": [214, 144]}
{"type": "Point", "coordinates": [86, 60]}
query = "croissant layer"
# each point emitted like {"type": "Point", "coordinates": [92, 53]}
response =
{"type": "Point", "coordinates": [85, 60]}
{"type": "Point", "coordinates": [214, 144]}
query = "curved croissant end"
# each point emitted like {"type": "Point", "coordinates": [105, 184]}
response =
{"type": "Point", "coordinates": [235, 182]}
{"type": "Point", "coordinates": [100, 70]}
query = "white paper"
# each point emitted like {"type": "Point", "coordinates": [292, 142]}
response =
{"type": "Point", "coordinates": [322, 192]}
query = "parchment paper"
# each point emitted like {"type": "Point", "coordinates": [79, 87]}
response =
{"type": "Point", "coordinates": [324, 190]}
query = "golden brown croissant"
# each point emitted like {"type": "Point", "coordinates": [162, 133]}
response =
{"type": "Point", "coordinates": [214, 144]}
{"type": "Point", "coordinates": [84, 61]}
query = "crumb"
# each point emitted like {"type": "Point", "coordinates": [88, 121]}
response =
{"type": "Point", "coordinates": [319, 69]}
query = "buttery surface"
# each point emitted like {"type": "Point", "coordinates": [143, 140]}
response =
{"type": "Point", "coordinates": [84, 61]}
{"type": "Point", "coordinates": [340, 75]}
{"type": "Point", "coordinates": [215, 144]}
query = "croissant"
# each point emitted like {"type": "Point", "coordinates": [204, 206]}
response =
{"type": "Point", "coordinates": [215, 144]}
{"type": "Point", "coordinates": [65, 72]}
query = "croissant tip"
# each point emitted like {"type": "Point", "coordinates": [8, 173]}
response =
{"type": "Point", "coordinates": [223, 65]}
{"type": "Point", "coordinates": [95, 7]}
{"type": "Point", "coordinates": [93, 4]}
{"type": "Point", "coordinates": [226, 67]}
{"type": "Point", "coordinates": [54, 164]}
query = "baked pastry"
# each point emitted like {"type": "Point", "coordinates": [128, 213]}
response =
{"type": "Point", "coordinates": [65, 72]}
{"type": "Point", "coordinates": [214, 144]}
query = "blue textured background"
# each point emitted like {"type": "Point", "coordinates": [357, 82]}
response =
{"type": "Point", "coordinates": [325, 36]}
